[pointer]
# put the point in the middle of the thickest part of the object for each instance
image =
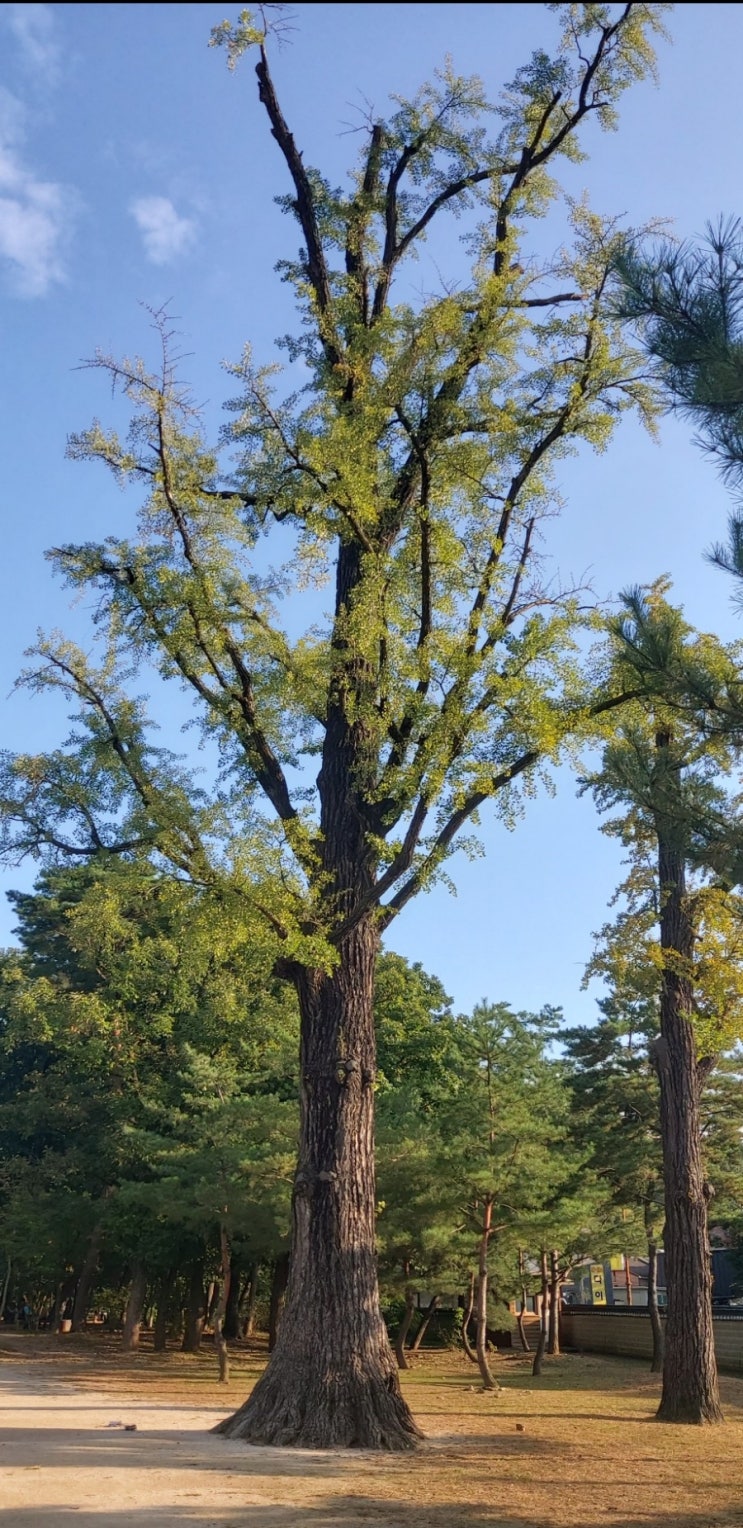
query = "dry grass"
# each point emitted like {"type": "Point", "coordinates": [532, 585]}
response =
{"type": "Point", "coordinates": [589, 1453]}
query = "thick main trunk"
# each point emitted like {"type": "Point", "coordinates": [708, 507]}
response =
{"type": "Point", "coordinates": [134, 1309]}
{"type": "Point", "coordinates": [690, 1387]}
{"type": "Point", "coordinates": [332, 1378]}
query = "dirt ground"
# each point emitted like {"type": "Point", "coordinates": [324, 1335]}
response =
{"type": "Point", "coordinates": [588, 1454]}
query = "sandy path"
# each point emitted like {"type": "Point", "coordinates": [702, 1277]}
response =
{"type": "Point", "coordinates": [59, 1464]}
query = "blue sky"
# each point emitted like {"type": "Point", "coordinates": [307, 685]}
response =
{"type": "Point", "coordinates": [134, 169]}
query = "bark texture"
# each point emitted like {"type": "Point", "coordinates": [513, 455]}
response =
{"type": "Point", "coordinates": [553, 1342]}
{"type": "Point", "coordinates": [332, 1378]}
{"type": "Point", "coordinates": [690, 1387]}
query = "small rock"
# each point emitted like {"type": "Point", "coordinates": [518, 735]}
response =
{"type": "Point", "coordinates": [520, 1427]}
{"type": "Point", "coordinates": [130, 1427]}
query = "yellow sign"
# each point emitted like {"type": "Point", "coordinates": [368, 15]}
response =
{"type": "Point", "coordinates": [598, 1286]}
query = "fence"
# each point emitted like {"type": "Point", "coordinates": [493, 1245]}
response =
{"type": "Point", "coordinates": [626, 1332]}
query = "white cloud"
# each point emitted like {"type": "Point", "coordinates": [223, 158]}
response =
{"type": "Point", "coordinates": [33, 27]}
{"type": "Point", "coordinates": [35, 214]}
{"type": "Point", "coordinates": [164, 233]}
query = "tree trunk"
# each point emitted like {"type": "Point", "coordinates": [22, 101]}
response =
{"type": "Point", "coordinates": [220, 1341]}
{"type": "Point", "coordinates": [249, 1318]}
{"type": "Point", "coordinates": [536, 1367]}
{"type": "Point", "coordinates": [656, 1324]}
{"type": "Point", "coordinates": [522, 1307]}
{"type": "Point", "coordinates": [467, 1317]}
{"type": "Point", "coordinates": [417, 1342]}
{"type": "Point", "coordinates": [403, 1329]}
{"type": "Point", "coordinates": [134, 1308]}
{"type": "Point", "coordinates": [332, 1378]}
{"type": "Point", "coordinates": [690, 1387]}
{"type": "Point", "coordinates": [279, 1281]}
{"type": "Point", "coordinates": [482, 1298]}
{"type": "Point", "coordinates": [553, 1346]}
{"type": "Point", "coordinates": [86, 1281]}
{"type": "Point", "coordinates": [195, 1310]}
{"type": "Point", "coordinates": [231, 1325]}
{"type": "Point", "coordinates": [627, 1278]}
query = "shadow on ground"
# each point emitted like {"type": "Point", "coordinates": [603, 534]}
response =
{"type": "Point", "coordinates": [343, 1512]}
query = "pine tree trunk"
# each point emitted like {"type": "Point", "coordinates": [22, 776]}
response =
{"type": "Point", "coordinates": [553, 1345]}
{"type": "Point", "coordinates": [690, 1387]}
{"type": "Point", "coordinates": [656, 1324]}
{"type": "Point", "coordinates": [195, 1310]}
{"type": "Point", "coordinates": [536, 1367]}
{"type": "Point", "coordinates": [466, 1344]}
{"type": "Point", "coordinates": [420, 1335]}
{"type": "Point", "coordinates": [403, 1329]}
{"type": "Point", "coordinates": [134, 1308]}
{"type": "Point", "coordinates": [332, 1378]}
{"type": "Point", "coordinates": [481, 1347]}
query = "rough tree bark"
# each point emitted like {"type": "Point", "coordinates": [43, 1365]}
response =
{"type": "Point", "coordinates": [134, 1309]}
{"type": "Point", "coordinates": [332, 1378]}
{"type": "Point", "coordinates": [544, 1313]}
{"type": "Point", "coordinates": [690, 1388]}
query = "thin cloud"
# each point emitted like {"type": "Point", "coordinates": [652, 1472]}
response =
{"type": "Point", "coordinates": [165, 234]}
{"type": "Point", "coordinates": [34, 29]}
{"type": "Point", "coordinates": [35, 214]}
